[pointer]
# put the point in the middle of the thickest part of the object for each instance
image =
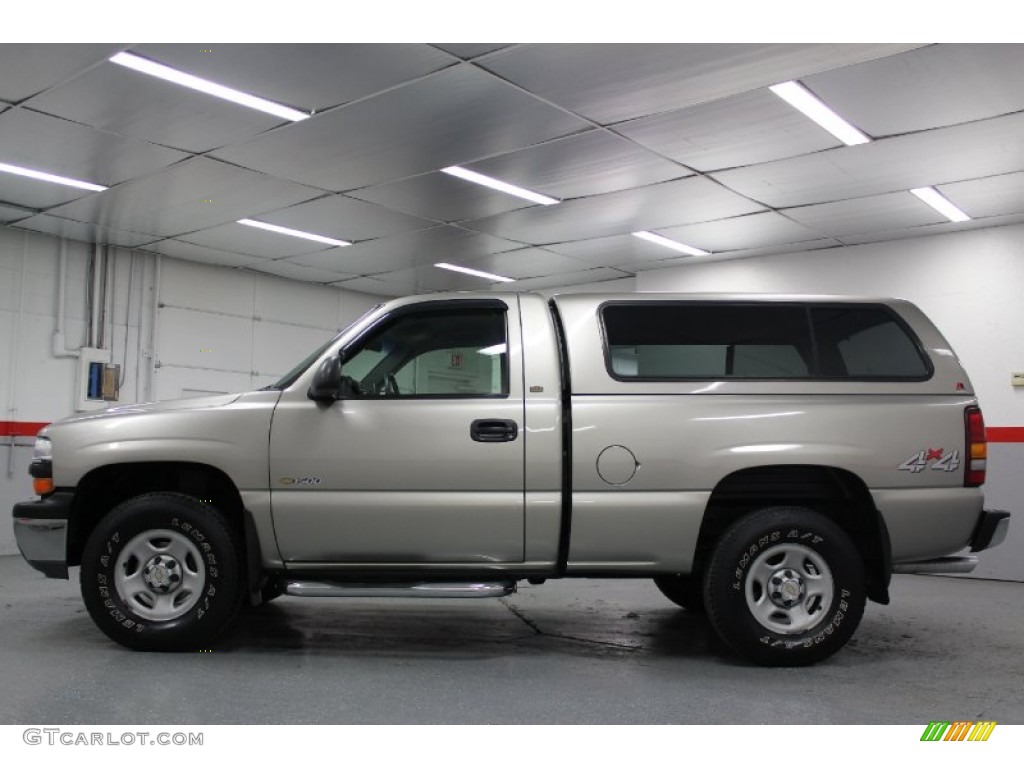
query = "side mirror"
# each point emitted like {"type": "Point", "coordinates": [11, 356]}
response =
{"type": "Point", "coordinates": [326, 386]}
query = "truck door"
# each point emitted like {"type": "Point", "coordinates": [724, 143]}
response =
{"type": "Point", "coordinates": [422, 461]}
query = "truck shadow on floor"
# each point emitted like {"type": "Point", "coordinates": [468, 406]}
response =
{"type": "Point", "coordinates": [443, 631]}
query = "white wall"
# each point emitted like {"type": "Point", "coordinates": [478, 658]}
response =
{"type": "Point", "coordinates": [971, 284]}
{"type": "Point", "coordinates": [190, 329]}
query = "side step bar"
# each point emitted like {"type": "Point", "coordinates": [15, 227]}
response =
{"type": "Point", "coordinates": [954, 564]}
{"type": "Point", "coordinates": [425, 589]}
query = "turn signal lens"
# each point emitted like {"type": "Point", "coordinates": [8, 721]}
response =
{"type": "Point", "coordinates": [42, 485]}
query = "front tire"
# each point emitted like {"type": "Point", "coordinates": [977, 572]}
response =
{"type": "Point", "coordinates": [785, 587]}
{"type": "Point", "coordinates": [161, 572]}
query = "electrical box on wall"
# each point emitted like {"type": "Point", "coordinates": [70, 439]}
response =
{"type": "Point", "coordinates": [98, 379]}
{"type": "Point", "coordinates": [1017, 379]}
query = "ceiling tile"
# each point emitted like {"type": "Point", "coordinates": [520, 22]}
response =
{"type": "Point", "coordinates": [927, 88]}
{"type": "Point", "coordinates": [441, 197]}
{"type": "Point", "coordinates": [429, 279]}
{"type": "Point", "coordinates": [9, 213]}
{"type": "Point", "coordinates": [449, 118]}
{"type": "Point", "coordinates": [753, 231]}
{"type": "Point", "coordinates": [671, 203]}
{"type": "Point", "coordinates": [238, 238]}
{"type": "Point", "coordinates": [130, 103]}
{"type": "Point", "coordinates": [570, 278]}
{"type": "Point", "coordinates": [940, 156]}
{"type": "Point", "coordinates": [408, 250]}
{"type": "Point", "coordinates": [613, 82]}
{"type": "Point", "coordinates": [68, 149]}
{"type": "Point", "coordinates": [896, 210]}
{"type": "Point", "coordinates": [944, 228]}
{"type": "Point", "coordinates": [343, 218]}
{"type": "Point", "coordinates": [526, 262]}
{"type": "Point", "coordinates": [754, 127]}
{"type": "Point", "coordinates": [994, 196]}
{"type": "Point", "coordinates": [22, 191]}
{"type": "Point", "coordinates": [471, 50]}
{"type": "Point", "coordinates": [32, 67]}
{"type": "Point", "coordinates": [192, 195]}
{"type": "Point", "coordinates": [192, 252]}
{"type": "Point", "coordinates": [590, 163]}
{"type": "Point", "coordinates": [747, 253]}
{"type": "Point", "coordinates": [86, 233]}
{"type": "Point", "coordinates": [371, 286]}
{"type": "Point", "coordinates": [309, 77]}
{"type": "Point", "coordinates": [294, 271]}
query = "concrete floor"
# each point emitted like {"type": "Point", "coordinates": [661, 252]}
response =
{"type": "Point", "coordinates": [565, 652]}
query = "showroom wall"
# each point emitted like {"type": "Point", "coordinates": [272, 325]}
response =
{"type": "Point", "coordinates": [213, 329]}
{"type": "Point", "coordinates": [971, 284]}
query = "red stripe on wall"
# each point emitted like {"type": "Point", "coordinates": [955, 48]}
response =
{"type": "Point", "coordinates": [30, 428]}
{"type": "Point", "coordinates": [1005, 434]}
{"type": "Point", "coordinates": [21, 428]}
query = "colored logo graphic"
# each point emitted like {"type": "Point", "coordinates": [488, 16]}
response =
{"type": "Point", "coordinates": [961, 730]}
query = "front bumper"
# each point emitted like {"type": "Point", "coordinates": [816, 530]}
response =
{"type": "Point", "coordinates": [990, 532]}
{"type": "Point", "coordinates": [41, 530]}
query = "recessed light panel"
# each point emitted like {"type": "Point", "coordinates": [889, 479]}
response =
{"type": "Point", "coordinates": [940, 203]}
{"type": "Point", "coordinates": [17, 170]}
{"type": "Point", "coordinates": [294, 232]}
{"type": "Point", "coordinates": [802, 99]}
{"type": "Point", "coordinates": [501, 186]}
{"type": "Point", "coordinates": [149, 67]}
{"type": "Point", "coordinates": [474, 272]}
{"type": "Point", "coordinates": [665, 242]}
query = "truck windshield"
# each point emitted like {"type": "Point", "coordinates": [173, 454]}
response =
{"type": "Point", "coordinates": [289, 378]}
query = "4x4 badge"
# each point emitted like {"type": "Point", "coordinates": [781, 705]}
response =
{"type": "Point", "coordinates": [944, 461]}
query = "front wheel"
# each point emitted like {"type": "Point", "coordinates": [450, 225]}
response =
{"type": "Point", "coordinates": [785, 587]}
{"type": "Point", "coordinates": [161, 572]}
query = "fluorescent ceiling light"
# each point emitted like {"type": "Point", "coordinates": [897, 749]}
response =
{"type": "Point", "coordinates": [666, 243]}
{"type": "Point", "coordinates": [936, 200]}
{"type": "Point", "coordinates": [501, 186]}
{"type": "Point", "coordinates": [41, 176]}
{"type": "Point", "coordinates": [474, 272]}
{"type": "Point", "coordinates": [497, 349]}
{"type": "Point", "coordinates": [149, 67]}
{"type": "Point", "coordinates": [293, 232]}
{"type": "Point", "coordinates": [802, 99]}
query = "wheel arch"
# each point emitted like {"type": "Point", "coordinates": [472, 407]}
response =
{"type": "Point", "coordinates": [837, 493]}
{"type": "Point", "coordinates": [103, 488]}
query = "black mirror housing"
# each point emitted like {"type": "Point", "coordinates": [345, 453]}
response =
{"type": "Point", "coordinates": [326, 386]}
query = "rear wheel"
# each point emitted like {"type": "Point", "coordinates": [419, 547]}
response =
{"type": "Point", "coordinates": [785, 587]}
{"type": "Point", "coordinates": [685, 590]}
{"type": "Point", "coordinates": [161, 572]}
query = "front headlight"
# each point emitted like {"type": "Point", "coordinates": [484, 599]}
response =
{"type": "Point", "coordinates": [43, 450]}
{"type": "Point", "coordinates": [41, 467]}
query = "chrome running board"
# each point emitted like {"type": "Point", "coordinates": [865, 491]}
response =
{"type": "Point", "coordinates": [955, 564]}
{"type": "Point", "coordinates": [424, 589]}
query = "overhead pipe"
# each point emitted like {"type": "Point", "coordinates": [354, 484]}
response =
{"type": "Point", "coordinates": [95, 306]}
{"type": "Point", "coordinates": [60, 348]}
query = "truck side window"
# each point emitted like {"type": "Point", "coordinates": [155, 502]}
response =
{"type": "Point", "coordinates": [866, 342]}
{"type": "Point", "coordinates": [704, 340]}
{"type": "Point", "coordinates": [451, 352]}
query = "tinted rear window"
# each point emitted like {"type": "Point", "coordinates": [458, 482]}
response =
{"type": "Point", "coordinates": [703, 340]}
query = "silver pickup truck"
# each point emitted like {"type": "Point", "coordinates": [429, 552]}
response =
{"type": "Point", "coordinates": [770, 460]}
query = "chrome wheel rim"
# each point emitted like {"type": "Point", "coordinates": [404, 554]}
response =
{"type": "Point", "coordinates": [789, 589]}
{"type": "Point", "coordinates": [160, 575]}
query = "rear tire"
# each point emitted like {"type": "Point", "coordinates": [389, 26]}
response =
{"type": "Point", "coordinates": [161, 572]}
{"type": "Point", "coordinates": [785, 587]}
{"type": "Point", "coordinates": [686, 591]}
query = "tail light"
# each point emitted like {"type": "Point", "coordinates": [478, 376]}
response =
{"type": "Point", "coordinates": [977, 448]}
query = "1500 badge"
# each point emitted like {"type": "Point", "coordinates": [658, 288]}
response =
{"type": "Point", "coordinates": [299, 481]}
{"type": "Point", "coordinates": [937, 458]}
